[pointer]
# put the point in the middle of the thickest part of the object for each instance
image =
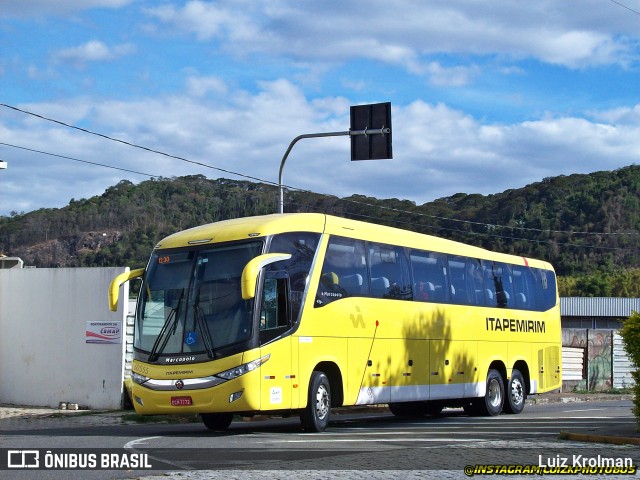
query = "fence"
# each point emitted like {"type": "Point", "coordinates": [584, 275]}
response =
{"type": "Point", "coordinates": [594, 360]}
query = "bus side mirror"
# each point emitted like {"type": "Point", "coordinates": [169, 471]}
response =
{"type": "Point", "coordinates": [114, 288]}
{"type": "Point", "coordinates": [252, 269]}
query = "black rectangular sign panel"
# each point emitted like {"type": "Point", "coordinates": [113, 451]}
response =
{"type": "Point", "coordinates": [375, 146]}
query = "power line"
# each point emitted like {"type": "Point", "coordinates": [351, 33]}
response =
{"type": "Point", "coordinates": [78, 160]}
{"type": "Point", "coordinates": [353, 214]}
{"type": "Point", "coordinates": [624, 6]}
{"type": "Point", "coordinates": [469, 222]}
{"type": "Point", "coordinates": [382, 207]}
{"type": "Point", "coordinates": [147, 149]}
{"type": "Point", "coordinates": [466, 232]}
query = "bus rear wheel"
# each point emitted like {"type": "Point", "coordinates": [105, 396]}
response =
{"type": "Point", "coordinates": [492, 402]}
{"type": "Point", "coordinates": [315, 416]}
{"type": "Point", "coordinates": [516, 393]}
{"type": "Point", "coordinates": [216, 421]}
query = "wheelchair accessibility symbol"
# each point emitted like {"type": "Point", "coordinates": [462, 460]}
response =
{"type": "Point", "coordinates": [191, 338]}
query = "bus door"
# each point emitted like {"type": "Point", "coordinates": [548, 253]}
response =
{"type": "Point", "coordinates": [277, 374]}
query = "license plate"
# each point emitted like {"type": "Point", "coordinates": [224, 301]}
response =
{"type": "Point", "coordinates": [181, 401]}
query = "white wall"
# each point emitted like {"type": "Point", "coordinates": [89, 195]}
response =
{"type": "Point", "coordinates": [44, 356]}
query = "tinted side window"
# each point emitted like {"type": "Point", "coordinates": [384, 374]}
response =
{"type": "Point", "coordinates": [430, 282]}
{"type": "Point", "coordinates": [546, 289]}
{"type": "Point", "coordinates": [498, 285]}
{"type": "Point", "coordinates": [524, 288]}
{"type": "Point", "coordinates": [344, 271]}
{"type": "Point", "coordinates": [466, 280]}
{"type": "Point", "coordinates": [389, 272]}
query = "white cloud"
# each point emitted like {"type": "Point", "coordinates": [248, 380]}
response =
{"type": "Point", "coordinates": [206, 20]}
{"type": "Point", "coordinates": [619, 116]}
{"type": "Point", "coordinates": [438, 150]}
{"type": "Point", "coordinates": [232, 83]}
{"type": "Point", "coordinates": [200, 86]}
{"type": "Point", "coordinates": [580, 48]}
{"type": "Point", "coordinates": [92, 51]}
{"type": "Point", "coordinates": [451, 76]}
{"type": "Point", "coordinates": [406, 32]}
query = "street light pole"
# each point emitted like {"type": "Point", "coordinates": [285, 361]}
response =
{"type": "Point", "coordinates": [286, 154]}
{"type": "Point", "coordinates": [377, 131]}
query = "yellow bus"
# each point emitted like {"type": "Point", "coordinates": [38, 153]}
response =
{"type": "Point", "coordinates": [298, 313]}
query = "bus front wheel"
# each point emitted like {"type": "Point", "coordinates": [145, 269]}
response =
{"type": "Point", "coordinates": [216, 421]}
{"type": "Point", "coordinates": [315, 416]}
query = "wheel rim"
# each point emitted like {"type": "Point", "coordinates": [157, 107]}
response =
{"type": "Point", "coordinates": [322, 402]}
{"type": "Point", "coordinates": [516, 391]}
{"type": "Point", "coordinates": [494, 395]}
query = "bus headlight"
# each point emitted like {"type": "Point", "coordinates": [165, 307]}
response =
{"type": "Point", "coordinates": [240, 370]}
{"type": "Point", "coordinates": [139, 379]}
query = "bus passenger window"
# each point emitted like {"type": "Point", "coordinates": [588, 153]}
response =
{"type": "Point", "coordinates": [429, 276]}
{"type": "Point", "coordinates": [475, 281]}
{"type": "Point", "coordinates": [498, 284]}
{"type": "Point", "coordinates": [344, 271]}
{"type": "Point", "coordinates": [524, 287]}
{"type": "Point", "coordinates": [457, 276]}
{"type": "Point", "coordinates": [389, 272]}
{"type": "Point", "coordinates": [466, 281]}
{"type": "Point", "coordinates": [546, 289]}
{"type": "Point", "coordinates": [507, 285]}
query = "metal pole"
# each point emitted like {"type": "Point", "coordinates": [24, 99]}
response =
{"type": "Point", "coordinates": [377, 131]}
{"type": "Point", "coordinates": [286, 154]}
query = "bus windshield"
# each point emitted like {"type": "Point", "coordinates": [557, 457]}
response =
{"type": "Point", "coordinates": [191, 301]}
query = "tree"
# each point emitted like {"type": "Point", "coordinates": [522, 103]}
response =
{"type": "Point", "coordinates": [630, 333]}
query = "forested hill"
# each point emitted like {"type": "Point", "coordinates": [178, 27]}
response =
{"type": "Point", "coordinates": [586, 225]}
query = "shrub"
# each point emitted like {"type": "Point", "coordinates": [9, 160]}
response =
{"type": "Point", "coordinates": [630, 333]}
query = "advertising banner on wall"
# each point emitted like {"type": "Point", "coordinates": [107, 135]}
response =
{"type": "Point", "coordinates": [104, 332]}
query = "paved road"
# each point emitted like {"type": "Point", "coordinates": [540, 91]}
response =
{"type": "Point", "coordinates": [373, 445]}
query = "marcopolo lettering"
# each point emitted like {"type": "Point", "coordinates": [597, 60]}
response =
{"type": "Point", "coordinates": [180, 359]}
{"type": "Point", "coordinates": [515, 325]}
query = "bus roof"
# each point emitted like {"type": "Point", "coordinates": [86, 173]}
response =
{"type": "Point", "coordinates": [260, 226]}
{"type": "Point", "coordinates": [244, 228]}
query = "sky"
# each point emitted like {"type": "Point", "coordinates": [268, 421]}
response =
{"type": "Point", "coordinates": [485, 96]}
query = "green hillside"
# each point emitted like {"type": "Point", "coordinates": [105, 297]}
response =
{"type": "Point", "coordinates": [586, 225]}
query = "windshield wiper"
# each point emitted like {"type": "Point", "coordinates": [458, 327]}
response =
{"type": "Point", "coordinates": [168, 329]}
{"type": "Point", "coordinates": [201, 322]}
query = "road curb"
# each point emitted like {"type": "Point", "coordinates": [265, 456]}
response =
{"type": "Point", "coordinates": [591, 438]}
{"type": "Point", "coordinates": [543, 399]}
